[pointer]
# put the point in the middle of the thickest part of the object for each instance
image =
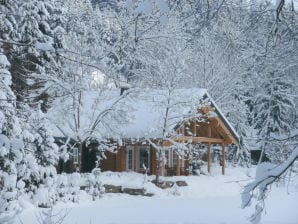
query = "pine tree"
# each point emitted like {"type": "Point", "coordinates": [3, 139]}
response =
{"type": "Point", "coordinates": [273, 114]}
{"type": "Point", "coordinates": [35, 60]}
{"type": "Point", "coordinates": [45, 149]}
{"type": "Point", "coordinates": [11, 149]}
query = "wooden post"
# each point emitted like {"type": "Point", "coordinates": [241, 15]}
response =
{"type": "Point", "coordinates": [123, 158]}
{"type": "Point", "coordinates": [209, 149]}
{"type": "Point", "coordinates": [152, 161]}
{"type": "Point", "coordinates": [178, 166]}
{"type": "Point", "coordinates": [209, 157]}
{"type": "Point", "coordinates": [223, 158]}
{"type": "Point", "coordinates": [186, 166]}
{"type": "Point", "coordinates": [135, 149]}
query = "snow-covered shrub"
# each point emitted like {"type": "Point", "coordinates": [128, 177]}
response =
{"type": "Point", "coordinates": [10, 187]}
{"type": "Point", "coordinates": [71, 187]}
{"type": "Point", "coordinates": [48, 216]}
{"type": "Point", "coordinates": [8, 211]}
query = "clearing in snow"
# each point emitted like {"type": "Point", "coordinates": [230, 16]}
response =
{"type": "Point", "coordinates": [207, 199]}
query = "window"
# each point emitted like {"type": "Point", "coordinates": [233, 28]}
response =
{"type": "Point", "coordinates": [130, 158]}
{"type": "Point", "coordinates": [175, 157]}
{"type": "Point", "coordinates": [144, 158]}
{"type": "Point", "coordinates": [168, 158]}
{"type": "Point", "coordinates": [75, 154]}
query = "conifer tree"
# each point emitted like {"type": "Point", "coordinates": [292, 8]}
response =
{"type": "Point", "coordinates": [273, 113]}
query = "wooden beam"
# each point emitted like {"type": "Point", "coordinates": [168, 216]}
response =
{"type": "Point", "coordinates": [209, 149]}
{"type": "Point", "coordinates": [223, 158]}
{"type": "Point", "coordinates": [206, 109]}
{"type": "Point", "coordinates": [197, 139]}
{"type": "Point", "coordinates": [221, 127]}
{"type": "Point", "coordinates": [209, 157]}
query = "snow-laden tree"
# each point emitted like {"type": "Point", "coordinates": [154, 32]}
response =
{"type": "Point", "coordinates": [8, 24]}
{"type": "Point", "coordinates": [275, 92]}
{"type": "Point", "coordinates": [84, 90]}
{"type": "Point", "coordinates": [7, 103]}
{"type": "Point", "coordinates": [274, 113]}
{"type": "Point", "coordinates": [33, 57]}
{"type": "Point", "coordinates": [100, 43]}
{"type": "Point", "coordinates": [45, 150]}
{"type": "Point", "coordinates": [27, 41]}
{"type": "Point", "coordinates": [11, 148]}
{"type": "Point", "coordinates": [166, 69]}
{"type": "Point", "coordinates": [273, 102]}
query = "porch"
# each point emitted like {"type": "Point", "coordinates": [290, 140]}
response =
{"type": "Point", "coordinates": [143, 159]}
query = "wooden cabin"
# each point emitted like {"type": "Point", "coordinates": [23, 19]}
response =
{"type": "Point", "coordinates": [194, 121]}
{"type": "Point", "coordinates": [136, 154]}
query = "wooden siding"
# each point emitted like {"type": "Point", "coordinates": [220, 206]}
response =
{"type": "Point", "coordinates": [121, 159]}
{"type": "Point", "coordinates": [109, 164]}
{"type": "Point", "coordinates": [152, 161]}
{"type": "Point", "coordinates": [136, 156]}
{"type": "Point", "coordinates": [211, 132]}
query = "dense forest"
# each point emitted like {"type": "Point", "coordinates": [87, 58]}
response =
{"type": "Point", "coordinates": [245, 53]}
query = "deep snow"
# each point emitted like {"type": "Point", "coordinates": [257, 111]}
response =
{"type": "Point", "coordinates": [208, 199]}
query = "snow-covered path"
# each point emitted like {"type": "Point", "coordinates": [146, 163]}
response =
{"type": "Point", "coordinates": [207, 199]}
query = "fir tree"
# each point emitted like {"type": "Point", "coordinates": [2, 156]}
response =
{"type": "Point", "coordinates": [273, 113]}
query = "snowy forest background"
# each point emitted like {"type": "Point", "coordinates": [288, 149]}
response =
{"type": "Point", "coordinates": [245, 53]}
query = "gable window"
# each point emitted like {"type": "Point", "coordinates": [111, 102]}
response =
{"type": "Point", "coordinates": [143, 158]}
{"type": "Point", "coordinates": [130, 158]}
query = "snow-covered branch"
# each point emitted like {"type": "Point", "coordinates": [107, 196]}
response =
{"type": "Point", "coordinates": [265, 176]}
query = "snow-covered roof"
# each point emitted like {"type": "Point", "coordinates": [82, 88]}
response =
{"type": "Point", "coordinates": [223, 117]}
{"type": "Point", "coordinates": [99, 114]}
{"type": "Point", "coordinates": [150, 108]}
{"type": "Point", "coordinates": [140, 114]}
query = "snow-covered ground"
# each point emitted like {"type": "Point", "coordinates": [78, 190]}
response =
{"type": "Point", "coordinates": [206, 199]}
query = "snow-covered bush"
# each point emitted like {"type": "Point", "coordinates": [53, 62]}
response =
{"type": "Point", "coordinates": [10, 186]}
